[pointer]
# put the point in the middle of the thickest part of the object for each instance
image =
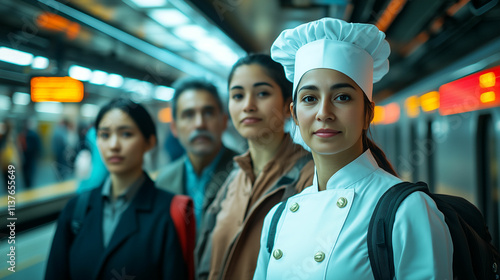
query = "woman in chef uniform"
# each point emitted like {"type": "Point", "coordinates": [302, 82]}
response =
{"type": "Point", "coordinates": [322, 232]}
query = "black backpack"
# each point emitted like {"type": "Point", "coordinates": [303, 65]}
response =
{"type": "Point", "coordinates": [474, 257]}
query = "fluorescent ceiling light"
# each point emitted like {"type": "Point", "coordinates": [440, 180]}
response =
{"type": "Point", "coordinates": [15, 57]}
{"type": "Point", "coordinates": [89, 110]}
{"type": "Point", "coordinates": [217, 50]}
{"type": "Point", "coordinates": [149, 3]}
{"type": "Point", "coordinates": [161, 54]}
{"type": "Point", "coordinates": [99, 77]}
{"type": "Point", "coordinates": [131, 84]}
{"type": "Point", "coordinates": [21, 98]}
{"type": "Point", "coordinates": [164, 93]}
{"type": "Point", "coordinates": [206, 44]}
{"type": "Point", "coordinates": [169, 17]}
{"type": "Point", "coordinates": [80, 73]}
{"type": "Point", "coordinates": [49, 107]}
{"type": "Point", "coordinates": [40, 62]}
{"type": "Point", "coordinates": [190, 32]}
{"type": "Point", "coordinates": [4, 102]}
{"type": "Point", "coordinates": [144, 88]}
{"type": "Point", "coordinates": [224, 55]}
{"type": "Point", "coordinates": [114, 81]}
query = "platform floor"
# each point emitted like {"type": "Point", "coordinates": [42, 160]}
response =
{"type": "Point", "coordinates": [32, 249]}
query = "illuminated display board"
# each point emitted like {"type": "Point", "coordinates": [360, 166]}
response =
{"type": "Point", "coordinates": [474, 92]}
{"type": "Point", "coordinates": [60, 89]}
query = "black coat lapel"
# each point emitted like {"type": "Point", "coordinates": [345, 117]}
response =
{"type": "Point", "coordinates": [89, 242]}
{"type": "Point", "coordinates": [128, 225]}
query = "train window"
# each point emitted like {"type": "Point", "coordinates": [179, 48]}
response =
{"type": "Point", "coordinates": [430, 146]}
{"type": "Point", "coordinates": [414, 153]}
{"type": "Point", "coordinates": [488, 192]}
{"type": "Point", "coordinates": [397, 145]}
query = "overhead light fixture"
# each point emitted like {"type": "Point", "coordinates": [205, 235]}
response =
{"type": "Point", "coordinates": [149, 3]}
{"type": "Point", "coordinates": [40, 62]}
{"type": "Point", "coordinates": [4, 102]}
{"type": "Point", "coordinates": [21, 98]}
{"type": "Point", "coordinates": [131, 84]}
{"type": "Point", "coordinates": [15, 56]}
{"type": "Point", "coordinates": [164, 93]}
{"type": "Point", "coordinates": [218, 51]}
{"type": "Point", "coordinates": [80, 73]}
{"type": "Point", "coordinates": [205, 44]}
{"type": "Point", "coordinates": [49, 107]}
{"type": "Point", "coordinates": [114, 81]}
{"type": "Point", "coordinates": [161, 54]}
{"type": "Point", "coordinates": [169, 17]}
{"type": "Point", "coordinates": [99, 77]}
{"type": "Point", "coordinates": [224, 55]}
{"type": "Point", "coordinates": [190, 32]}
{"type": "Point", "coordinates": [144, 89]}
{"type": "Point", "coordinates": [89, 110]}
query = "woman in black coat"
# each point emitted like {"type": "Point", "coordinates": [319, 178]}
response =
{"type": "Point", "coordinates": [127, 231]}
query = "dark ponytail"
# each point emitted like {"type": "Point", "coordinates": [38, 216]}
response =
{"type": "Point", "coordinates": [377, 153]}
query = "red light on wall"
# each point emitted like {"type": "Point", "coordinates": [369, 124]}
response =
{"type": "Point", "coordinates": [392, 113]}
{"type": "Point", "coordinates": [473, 92]}
{"type": "Point", "coordinates": [60, 89]}
{"type": "Point", "coordinates": [386, 114]}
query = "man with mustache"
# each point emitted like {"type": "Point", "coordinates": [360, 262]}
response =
{"type": "Point", "coordinates": [198, 123]}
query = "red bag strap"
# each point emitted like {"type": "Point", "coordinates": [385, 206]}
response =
{"type": "Point", "coordinates": [181, 210]}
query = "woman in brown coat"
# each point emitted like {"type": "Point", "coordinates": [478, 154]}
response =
{"type": "Point", "coordinates": [272, 169]}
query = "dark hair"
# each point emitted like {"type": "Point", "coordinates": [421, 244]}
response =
{"type": "Point", "coordinates": [377, 152]}
{"type": "Point", "coordinates": [182, 85]}
{"type": "Point", "coordinates": [272, 68]}
{"type": "Point", "coordinates": [137, 113]}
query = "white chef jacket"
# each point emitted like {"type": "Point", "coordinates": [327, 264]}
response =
{"type": "Point", "coordinates": [333, 224]}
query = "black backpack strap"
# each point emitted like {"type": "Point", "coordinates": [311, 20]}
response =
{"type": "Point", "coordinates": [380, 228]}
{"type": "Point", "coordinates": [274, 225]}
{"type": "Point", "coordinates": [82, 203]}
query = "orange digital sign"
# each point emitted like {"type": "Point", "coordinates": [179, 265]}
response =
{"type": "Point", "coordinates": [474, 92]}
{"type": "Point", "coordinates": [60, 89]}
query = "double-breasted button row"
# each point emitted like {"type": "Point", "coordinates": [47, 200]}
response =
{"type": "Point", "coordinates": [341, 203]}
{"type": "Point", "coordinates": [318, 257]}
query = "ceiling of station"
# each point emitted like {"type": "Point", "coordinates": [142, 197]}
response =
{"type": "Point", "coordinates": [425, 35]}
{"type": "Point", "coordinates": [144, 43]}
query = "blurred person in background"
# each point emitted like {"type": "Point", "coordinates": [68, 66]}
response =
{"type": "Point", "coordinates": [126, 229]}
{"type": "Point", "coordinates": [198, 123]}
{"type": "Point", "coordinates": [30, 144]}
{"type": "Point", "coordinates": [272, 169]}
{"type": "Point", "coordinates": [9, 152]}
{"type": "Point", "coordinates": [62, 149]}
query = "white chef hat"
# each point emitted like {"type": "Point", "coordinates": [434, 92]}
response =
{"type": "Point", "coordinates": [358, 50]}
